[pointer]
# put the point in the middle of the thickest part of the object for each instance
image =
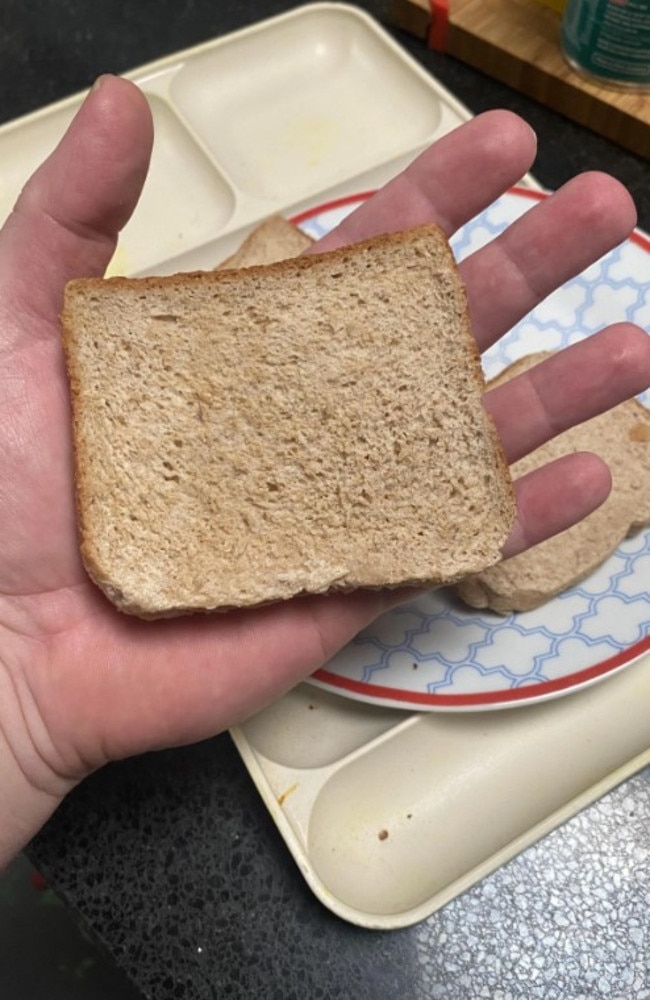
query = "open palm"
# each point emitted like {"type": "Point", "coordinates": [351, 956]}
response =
{"type": "Point", "coordinates": [81, 684]}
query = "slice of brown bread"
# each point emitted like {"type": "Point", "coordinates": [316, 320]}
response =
{"type": "Point", "coordinates": [272, 240]}
{"type": "Point", "coordinates": [245, 436]}
{"type": "Point", "coordinates": [622, 438]}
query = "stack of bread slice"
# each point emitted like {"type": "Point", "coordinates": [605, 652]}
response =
{"type": "Point", "coordinates": [621, 437]}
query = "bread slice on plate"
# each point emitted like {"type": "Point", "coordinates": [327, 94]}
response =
{"type": "Point", "coordinates": [272, 240]}
{"type": "Point", "coordinates": [622, 438]}
{"type": "Point", "coordinates": [244, 436]}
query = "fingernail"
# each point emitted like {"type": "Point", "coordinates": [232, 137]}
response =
{"type": "Point", "coordinates": [99, 82]}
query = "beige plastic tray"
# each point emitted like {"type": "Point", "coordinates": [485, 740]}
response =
{"type": "Point", "coordinates": [388, 814]}
{"type": "Point", "coordinates": [391, 815]}
{"type": "Point", "coordinates": [294, 111]}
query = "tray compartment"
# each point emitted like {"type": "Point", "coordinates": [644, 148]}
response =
{"type": "Point", "coordinates": [425, 811]}
{"type": "Point", "coordinates": [289, 110]}
{"type": "Point", "coordinates": [312, 105]}
{"type": "Point", "coordinates": [185, 201]}
{"type": "Point", "coordinates": [310, 728]}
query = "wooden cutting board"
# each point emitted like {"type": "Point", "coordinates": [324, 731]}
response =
{"type": "Point", "coordinates": [517, 42]}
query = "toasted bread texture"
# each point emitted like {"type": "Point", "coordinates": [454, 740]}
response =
{"type": "Point", "coordinates": [272, 240]}
{"type": "Point", "coordinates": [621, 437]}
{"type": "Point", "coordinates": [245, 436]}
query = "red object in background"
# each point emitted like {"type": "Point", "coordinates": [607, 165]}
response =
{"type": "Point", "coordinates": [438, 25]}
{"type": "Point", "coordinates": [38, 882]}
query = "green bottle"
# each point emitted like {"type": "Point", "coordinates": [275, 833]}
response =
{"type": "Point", "coordinates": [609, 40]}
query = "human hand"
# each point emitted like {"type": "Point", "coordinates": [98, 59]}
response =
{"type": "Point", "coordinates": [81, 684]}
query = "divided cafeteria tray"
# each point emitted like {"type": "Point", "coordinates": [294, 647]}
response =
{"type": "Point", "coordinates": [294, 111]}
{"type": "Point", "coordinates": [388, 812]}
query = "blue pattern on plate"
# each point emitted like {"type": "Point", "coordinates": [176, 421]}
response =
{"type": "Point", "coordinates": [435, 646]}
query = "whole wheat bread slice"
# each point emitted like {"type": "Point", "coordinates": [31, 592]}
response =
{"type": "Point", "coordinates": [621, 437]}
{"type": "Point", "coordinates": [272, 240]}
{"type": "Point", "coordinates": [245, 436]}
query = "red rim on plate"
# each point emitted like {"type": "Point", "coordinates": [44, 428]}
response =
{"type": "Point", "coordinates": [505, 697]}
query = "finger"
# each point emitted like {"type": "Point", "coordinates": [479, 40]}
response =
{"type": "Point", "coordinates": [555, 240]}
{"type": "Point", "coordinates": [570, 387]}
{"type": "Point", "coordinates": [449, 183]}
{"type": "Point", "coordinates": [66, 220]}
{"type": "Point", "coordinates": [582, 480]}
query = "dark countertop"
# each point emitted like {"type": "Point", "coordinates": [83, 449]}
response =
{"type": "Point", "coordinates": [170, 859]}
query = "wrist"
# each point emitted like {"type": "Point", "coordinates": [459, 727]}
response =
{"type": "Point", "coordinates": [23, 808]}
{"type": "Point", "coordinates": [30, 790]}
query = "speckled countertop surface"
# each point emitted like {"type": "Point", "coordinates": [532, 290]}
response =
{"type": "Point", "coordinates": [171, 859]}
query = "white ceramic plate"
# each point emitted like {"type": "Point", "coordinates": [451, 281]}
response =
{"type": "Point", "coordinates": [435, 654]}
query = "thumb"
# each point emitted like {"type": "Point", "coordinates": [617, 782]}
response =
{"type": "Point", "coordinates": [66, 221]}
